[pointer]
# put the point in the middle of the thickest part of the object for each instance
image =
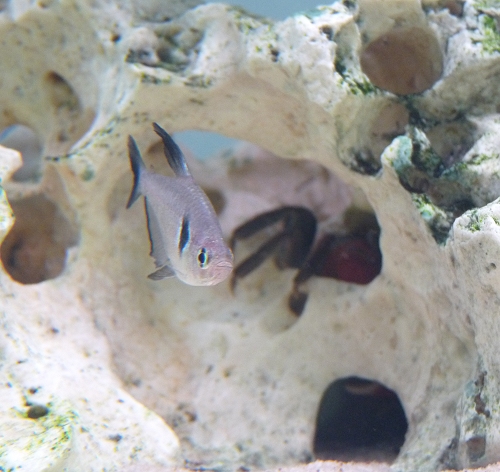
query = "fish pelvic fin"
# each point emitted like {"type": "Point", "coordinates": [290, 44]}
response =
{"type": "Point", "coordinates": [173, 153]}
{"type": "Point", "coordinates": [162, 273]}
{"type": "Point", "coordinates": [137, 165]}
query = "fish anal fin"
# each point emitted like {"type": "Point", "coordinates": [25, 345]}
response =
{"type": "Point", "coordinates": [162, 273]}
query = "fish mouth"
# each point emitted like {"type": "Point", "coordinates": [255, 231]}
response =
{"type": "Point", "coordinates": [221, 272]}
{"type": "Point", "coordinates": [224, 265]}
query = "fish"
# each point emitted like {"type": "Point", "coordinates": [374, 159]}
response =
{"type": "Point", "coordinates": [184, 232]}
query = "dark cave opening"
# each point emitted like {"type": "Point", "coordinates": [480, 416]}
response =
{"type": "Point", "coordinates": [359, 420]}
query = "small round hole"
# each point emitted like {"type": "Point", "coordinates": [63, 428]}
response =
{"type": "Point", "coordinates": [403, 61]}
{"type": "Point", "coordinates": [37, 411]}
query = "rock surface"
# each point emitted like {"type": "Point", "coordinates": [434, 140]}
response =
{"type": "Point", "coordinates": [395, 104]}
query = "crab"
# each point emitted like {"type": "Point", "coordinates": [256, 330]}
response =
{"type": "Point", "coordinates": [354, 257]}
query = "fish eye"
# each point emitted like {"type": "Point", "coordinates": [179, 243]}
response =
{"type": "Point", "coordinates": [203, 258]}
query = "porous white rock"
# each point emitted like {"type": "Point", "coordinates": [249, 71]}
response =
{"type": "Point", "coordinates": [137, 373]}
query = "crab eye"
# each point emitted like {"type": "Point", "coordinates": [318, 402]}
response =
{"type": "Point", "coordinates": [203, 258]}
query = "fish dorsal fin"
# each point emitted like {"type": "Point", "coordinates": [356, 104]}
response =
{"type": "Point", "coordinates": [173, 153]}
{"type": "Point", "coordinates": [158, 249]}
{"type": "Point", "coordinates": [138, 166]}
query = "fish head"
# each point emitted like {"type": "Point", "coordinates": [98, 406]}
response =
{"type": "Point", "coordinates": [209, 263]}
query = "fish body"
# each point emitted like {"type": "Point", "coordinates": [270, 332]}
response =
{"type": "Point", "coordinates": [184, 232]}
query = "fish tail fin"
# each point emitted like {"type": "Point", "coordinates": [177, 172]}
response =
{"type": "Point", "coordinates": [173, 153]}
{"type": "Point", "coordinates": [137, 165]}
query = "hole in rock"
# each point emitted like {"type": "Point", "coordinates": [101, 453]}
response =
{"type": "Point", "coordinates": [451, 141]}
{"type": "Point", "coordinates": [403, 61]}
{"type": "Point", "coordinates": [476, 447]}
{"type": "Point", "coordinates": [158, 359]}
{"type": "Point", "coordinates": [359, 420]}
{"type": "Point", "coordinates": [37, 411]}
{"type": "Point", "coordinates": [389, 124]}
{"type": "Point", "coordinates": [28, 143]}
{"type": "Point", "coordinates": [70, 121]}
{"type": "Point", "coordinates": [61, 93]}
{"type": "Point", "coordinates": [35, 248]}
{"type": "Point", "coordinates": [204, 144]}
{"type": "Point", "coordinates": [455, 7]}
{"type": "Point", "coordinates": [360, 147]}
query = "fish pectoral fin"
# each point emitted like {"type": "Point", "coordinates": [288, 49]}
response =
{"type": "Point", "coordinates": [162, 273]}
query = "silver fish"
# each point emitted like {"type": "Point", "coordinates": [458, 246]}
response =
{"type": "Point", "coordinates": [185, 235]}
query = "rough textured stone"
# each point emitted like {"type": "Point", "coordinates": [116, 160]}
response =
{"type": "Point", "coordinates": [396, 100]}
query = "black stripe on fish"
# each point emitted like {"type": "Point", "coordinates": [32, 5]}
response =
{"type": "Point", "coordinates": [184, 234]}
{"type": "Point", "coordinates": [173, 152]}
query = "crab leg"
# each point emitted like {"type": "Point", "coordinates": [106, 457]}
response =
{"type": "Point", "coordinates": [257, 258]}
{"type": "Point", "coordinates": [291, 245]}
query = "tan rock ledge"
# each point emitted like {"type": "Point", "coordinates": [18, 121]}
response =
{"type": "Point", "coordinates": [381, 117]}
